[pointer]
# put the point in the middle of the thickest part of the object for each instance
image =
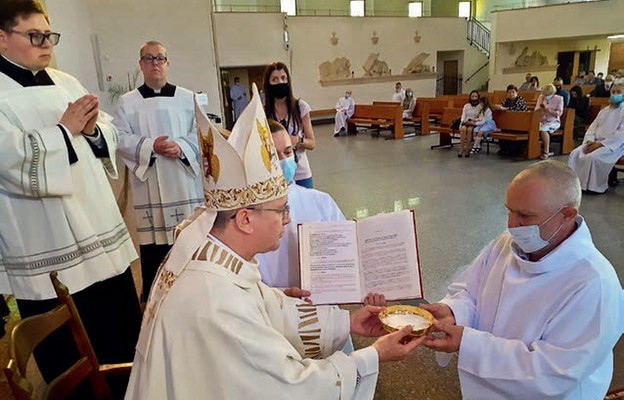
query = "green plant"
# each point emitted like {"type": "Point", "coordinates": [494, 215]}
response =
{"type": "Point", "coordinates": [116, 90]}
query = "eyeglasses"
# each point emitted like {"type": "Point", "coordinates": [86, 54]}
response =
{"type": "Point", "coordinates": [158, 59]}
{"type": "Point", "coordinates": [37, 38]}
{"type": "Point", "coordinates": [284, 211]}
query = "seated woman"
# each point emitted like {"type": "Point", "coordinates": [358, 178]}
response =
{"type": "Point", "coordinates": [581, 106]}
{"type": "Point", "coordinates": [512, 102]}
{"type": "Point", "coordinates": [409, 103]}
{"type": "Point", "coordinates": [535, 85]}
{"type": "Point", "coordinates": [468, 122]}
{"type": "Point", "coordinates": [550, 106]}
{"type": "Point", "coordinates": [484, 125]}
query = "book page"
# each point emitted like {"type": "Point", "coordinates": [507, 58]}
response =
{"type": "Point", "coordinates": [329, 264]}
{"type": "Point", "coordinates": [389, 256]}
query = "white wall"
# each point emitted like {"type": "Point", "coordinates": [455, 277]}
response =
{"type": "Point", "coordinates": [123, 26]}
{"type": "Point", "coordinates": [74, 53]}
{"type": "Point", "coordinates": [244, 39]}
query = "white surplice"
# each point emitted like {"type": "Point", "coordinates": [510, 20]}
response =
{"type": "Point", "coordinates": [345, 107]}
{"type": "Point", "coordinates": [280, 268]}
{"type": "Point", "coordinates": [167, 191]}
{"type": "Point", "coordinates": [538, 330]}
{"type": "Point", "coordinates": [220, 333]}
{"type": "Point", "coordinates": [593, 168]}
{"type": "Point", "coordinates": [55, 216]}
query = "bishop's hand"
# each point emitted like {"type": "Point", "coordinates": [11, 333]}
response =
{"type": "Point", "coordinates": [398, 345]}
{"type": "Point", "coordinates": [365, 321]}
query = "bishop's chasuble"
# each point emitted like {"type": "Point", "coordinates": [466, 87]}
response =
{"type": "Point", "coordinates": [218, 332]}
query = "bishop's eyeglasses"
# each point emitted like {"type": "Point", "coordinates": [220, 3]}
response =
{"type": "Point", "coordinates": [284, 211]}
{"type": "Point", "coordinates": [158, 59]}
{"type": "Point", "coordinates": [38, 38]}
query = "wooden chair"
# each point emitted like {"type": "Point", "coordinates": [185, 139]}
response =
{"type": "Point", "coordinates": [29, 332]}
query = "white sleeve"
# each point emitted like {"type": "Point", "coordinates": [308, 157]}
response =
{"type": "Point", "coordinates": [135, 150]}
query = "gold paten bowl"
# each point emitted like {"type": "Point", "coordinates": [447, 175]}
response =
{"type": "Point", "coordinates": [390, 319]}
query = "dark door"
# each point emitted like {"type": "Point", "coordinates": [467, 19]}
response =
{"type": "Point", "coordinates": [565, 68]}
{"type": "Point", "coordinates": [450, 76]}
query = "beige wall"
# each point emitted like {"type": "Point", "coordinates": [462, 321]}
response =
{"type": "Point", "coordinates": [551, 29]}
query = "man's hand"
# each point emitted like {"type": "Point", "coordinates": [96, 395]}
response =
{"type": "Point", "coordinates": [89, 128]}
{"type": "Point", "coordinates": [375, 299]}
{"type": "Point", "coordinates": [298, 293]}
{"type": "Point", "coordinates": [450, 339]}
{"type": "Point", "coordinates": [365, 321]}
{"type": "Point", "coordinates": [591, 147]}
{"type": "Point", "coordinates": [396, 346]}
{"type": "Point", "coordinates": [166, 148]}
{"type": "Point", "coordinates": [79, 113]}
{"type": "Point", "coordinates": [440, 311]}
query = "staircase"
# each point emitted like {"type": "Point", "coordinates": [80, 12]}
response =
{"type": "Point", "coordinates": [478, 35]}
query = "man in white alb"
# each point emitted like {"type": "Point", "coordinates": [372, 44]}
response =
{"type": "Point", "coordinates": [280, 268]}
{"type": "Point", "coordinates": [58, 212]}
{"type": "Point", "coordinates": [158, 143]}
{"type": "Point", "coordinates": [538, 312]}
{"type": "Point", "coordinates": [602, 146]}
{"type": "Point", "coordinates": [238, 94]}
{"type": "Point", "coordinates": [345, 107]}
{"type": "Point", "coordinates": [213, 330]}
{"type": "Point", "coordinates": [399, 94]}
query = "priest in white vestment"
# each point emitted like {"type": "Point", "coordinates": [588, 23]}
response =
{"type": "Point", "coordinates": [399, 94]}
{"type": "Point", "coordinates": [58, 212]}
{"type": "Point", "coordinates": [602, 146]}
{"type": "Point", "coordinates": [158, 143]}
{"type": "Point", "coordinates": [345, 107]}
{"type": "Point", "coordinates": [538, 312]}
{"type": "Point", "coordinates": [212, 329]}
{"type": "Point", "coordinates": [238, 94]}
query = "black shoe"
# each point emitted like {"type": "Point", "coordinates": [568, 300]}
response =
{"type": "Point", "coordinates": [336, 134]}
{"type": "Point", "coordinates": [460, 155]}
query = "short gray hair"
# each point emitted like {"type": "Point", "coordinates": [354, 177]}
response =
{"type": "Point", "coordinates": [563, 183]}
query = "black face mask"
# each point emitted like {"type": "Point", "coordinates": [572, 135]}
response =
{"type": "Point", "coordinates": [474, 102]}
{"type": "Point", "coordinates": [279, 91]}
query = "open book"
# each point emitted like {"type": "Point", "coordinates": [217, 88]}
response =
{"type": "Point", "coordinates": [341, 262]}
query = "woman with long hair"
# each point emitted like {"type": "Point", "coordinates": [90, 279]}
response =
{"type": "Point", "coordinates": [469, 116]}
{"type": "Point", "coordinates": [484, 124]}
{"type": "Point", "coordinates": [293, 113]}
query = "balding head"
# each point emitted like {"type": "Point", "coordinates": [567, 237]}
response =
{"type": "Point", "coordinates": [561, 186]}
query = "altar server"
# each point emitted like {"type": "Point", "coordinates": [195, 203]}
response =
{"type": "Point", "coordinates": [158, 143]}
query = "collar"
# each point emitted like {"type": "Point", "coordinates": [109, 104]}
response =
{"type": "Point", "coordinates": [24, 76]}
{"type": "Point", "coordinates": [574, 248]}
{"type": "Point", "coordinates": [225, 262]}
{"type": "Point", "coordinates": [166, 91]}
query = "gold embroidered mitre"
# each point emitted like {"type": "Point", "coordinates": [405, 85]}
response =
{"type": "Point", "coordinates": [243, 169]}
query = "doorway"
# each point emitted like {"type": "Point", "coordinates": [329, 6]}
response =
{"type": "Point", "coordinates": [451, 77]}
{"type": "Point", "coordinates": [247, 75]}
{"type": "Point", "coordinates": [565, 66]}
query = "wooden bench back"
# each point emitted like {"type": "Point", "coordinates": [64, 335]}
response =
{"type": "Point", "coordinates": [377, 111]}
{"type": "Point", "coordinates": [513, 121]}
{"type": "Point", "coordinates": [530, 95]}
{"type": "Point", "coordinates": [435, 105]}
{"type": "Point", "coordinates": [450, 114]}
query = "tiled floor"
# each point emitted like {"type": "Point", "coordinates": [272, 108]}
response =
{"type": "Point", "coordinates": [459, 209]}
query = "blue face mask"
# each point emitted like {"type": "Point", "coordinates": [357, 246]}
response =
{"type": "Point", "coordinates": [616, 99]}
{"type": "Point", "coordinates": [289, 166]}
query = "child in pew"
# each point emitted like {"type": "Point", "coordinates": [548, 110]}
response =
{"type": "Point", "coordinates": [484, 125]}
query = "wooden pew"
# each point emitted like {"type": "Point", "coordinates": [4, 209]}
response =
{"type": "Point", "coordinates": [390, 116]}
{"type": "Point", "coordinates": [518, 126]}
{"type": "Point", "coordinates": [432, 108]}
{"type": "Point", "coordinates": [530, 95]}
{"type": "Point", "coordinates": [446, 134]}
{"type": "Point", "coordinates": [566, 131]}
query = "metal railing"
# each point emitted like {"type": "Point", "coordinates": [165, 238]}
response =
{"type": "Point", "coordinates": [477, 71]}
{"type": "Point", "coordinates": [478, 35]}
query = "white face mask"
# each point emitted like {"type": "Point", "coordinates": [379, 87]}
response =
{"type": "Point", "coordinates": [528, 238]}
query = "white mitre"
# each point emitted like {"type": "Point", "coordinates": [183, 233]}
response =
{"type": "Point", "coordinates": [240, 171]}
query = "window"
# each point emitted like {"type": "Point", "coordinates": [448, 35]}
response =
{"type": "Point", "coordinates": [357, 8]}
{"type": "Point", "coordinates": [289, 7]}
{"type": "Point", "coordinates": [464, 9]}
{"type": "Point", "coordinates": [415, 9]}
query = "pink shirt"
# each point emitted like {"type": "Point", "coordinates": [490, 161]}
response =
{"type": "Point", "coordinates": [554, 106]}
